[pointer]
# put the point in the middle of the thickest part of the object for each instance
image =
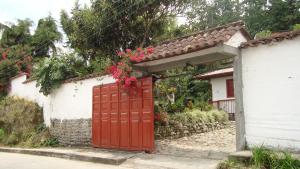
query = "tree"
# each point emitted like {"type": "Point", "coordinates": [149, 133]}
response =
{"type": "Point", "coordinates": [203, 14]}
{"type": "Point", "coordinates": [273, 15]}
{"type": "Point", "coordinates": [17, 34]}
{"type": "Point", "coordinates": [107, 26]}
{"type": "Point", "coordinates": [259, 15]}
{"type": "Point", "coordinates": [283, 14]}
{"type": "Point", "coordinates": [45, 37]}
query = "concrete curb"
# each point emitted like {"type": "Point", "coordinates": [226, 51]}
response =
{"type": "Point", "coordinates": [213, 155]}
{"type": "Point", "coordinates": [70, 156]}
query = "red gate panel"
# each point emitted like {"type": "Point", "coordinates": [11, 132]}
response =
{"type": "Point", "coordinates": [123, 118]}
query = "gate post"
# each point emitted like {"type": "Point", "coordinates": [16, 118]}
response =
{"type": "Point", "coordinates": [239, 107]}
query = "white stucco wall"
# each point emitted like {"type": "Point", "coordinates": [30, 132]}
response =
{"type": "Point", "coordinates": [219, 91]}
{"type": "Point", "coordinates": [271, 80]}
{"type": "Point", "coordinates": [236, 39]}
{"type": "Point", "coordinates": [71, 101]}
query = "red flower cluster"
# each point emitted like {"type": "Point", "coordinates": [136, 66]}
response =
{"type": "Point", "coordinates": [122, 71]}
{"type": "Point", "coordinates": [24, 63]}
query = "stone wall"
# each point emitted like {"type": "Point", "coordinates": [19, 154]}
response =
{"type": "Point", "coordinates": [72, 132]}
{"type": "Point", "coordinates": [176, 129]}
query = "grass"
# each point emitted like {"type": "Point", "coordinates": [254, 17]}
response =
{"type": "Point", "coordinates": [264, 158]}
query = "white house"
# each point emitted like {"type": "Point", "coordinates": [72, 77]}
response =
{"type": "Point", "coordinates": [222, 89]}
{"type": "Point", "coordinates": [271, 90]}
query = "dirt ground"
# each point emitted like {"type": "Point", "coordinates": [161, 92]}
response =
{"type": "Point", "coordinates": [222, 140]}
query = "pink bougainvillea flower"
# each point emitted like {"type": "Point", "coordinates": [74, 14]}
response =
{"type": "Point", "coordinates": [117, 74]}
{"type": "Point", "coordinates": [120, 53]}
{"type": "Point", "coordinates": [130, 81]}
{"type": "Point", "coordinates": [128, 50]}
{"type": "Point", "coordinates": [122, 71]}
{"type": "Point", "coordinates": [112, 69]}
{"type": "Point", "coordinates": [133, 79]}
{"type": "Point", "coordinates": [4, 55]}
{"type": "Point", "coordinates": [142, 55]}
{"type": "Point", "coordinates": [120, 64]}
{"type": "Point", "coordinates": [150, 50]}
{"type": "Point", "coordinates": [127, 82]}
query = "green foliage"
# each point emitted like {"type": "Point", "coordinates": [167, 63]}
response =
{"type": "Point", "coordinates": [45, 37]}
{"type": "Point", "coordinates": [2, 134]}
{"type": "Point", "coordinates": [18, 34]}
{"type": "Point", "coordinates": [263, 34]}
{"type": "Point", "coordinates": [196, 116]}
{"type": "Point", "coordinates": [259, 15]}
{"type": "Point", "coordinates": [7, 70]}
{"type": "Point", "coordinates": [266, 158]}
{"type": "Point", "coordinates": [181, 90]}
{"type": "Point", "coordinates": [18, 45]}
{"type": "Point", "coordinates": [20, 123]}
{"type": "Point", "coordinates": [107, 26]}
{"type": "Point", "coordinates": [52, 72]}
{"type": "Point", "coordinates": [100, 64]}
{"type": "Point", "coordinates": [204, 14]}
{"type": "Point", "coordinates": [296, 27]}
{"type": "Point", "coordinates": [50, 142]}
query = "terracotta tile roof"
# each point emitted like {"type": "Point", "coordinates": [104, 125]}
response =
{"type": "Point", "coordinates": [216, 73]}
{"type": "Point", "coordinates": [19, 75]}
{"type": "Point", "coordinates": [75, 79]}
{"type": "Point", "coordinates": [274, 38]}
{"type": "Point", "coordinates": [197, 41]}
{"type": "Point", "coordinates": [29, 80]}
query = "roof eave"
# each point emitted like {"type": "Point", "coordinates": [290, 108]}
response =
{"type": "Point", "coordinates": [208, 55]}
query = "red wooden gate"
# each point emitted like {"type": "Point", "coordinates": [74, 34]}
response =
{"type": "Point", "coordinates": [123, 118]}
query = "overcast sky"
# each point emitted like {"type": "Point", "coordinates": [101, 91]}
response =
{"type": "Point", "coordinates": [11, 10]}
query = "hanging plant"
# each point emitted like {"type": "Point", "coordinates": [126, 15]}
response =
{"type": "Point", "coordinates": [123, 71]}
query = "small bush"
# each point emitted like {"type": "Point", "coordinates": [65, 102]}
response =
{"type": "Point", "coordinates": [50, 142]}
{"type": "Point", "coordinates": [263, 158]}
{"type": "Point", "coordinates": [263, 34]}
{"type": "Point", "coordinates": [2, 134]}
{"type": "Point", "coordinates": [197, 116]}
{"type": "Point", "coordinates": [296, 27]}
{"type": "Point", "coordinates": [21, 123]}
{"type": "Point", "coordinates": [266, 158]}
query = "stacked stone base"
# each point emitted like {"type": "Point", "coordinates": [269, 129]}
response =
{"type": "Point", "coordinates": [178, 130]}
{"type": "Point", "coordinates": [72, 132]}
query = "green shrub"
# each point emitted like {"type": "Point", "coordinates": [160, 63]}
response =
{"type": "Point", "coordinates": [197, 116]}
{"type": "Point", "coordinates": [7, 70]}
{"type": "Point", "coordinates": [2, 134]}
{"type": "Point", "coordinates": [21, 123]}
{"type": "Point", "coordinates": [266, 158]}
{"type": "Point", "coordinates": [296, 27]}
{"type": "Point", "coordinates": [263, 158]}
{"type": "Point", "coordinates": [50, 142]}
{"type": "Point", "coordinates": [263, 34]}
{"type": "Point", "coordinates": [52, 72]}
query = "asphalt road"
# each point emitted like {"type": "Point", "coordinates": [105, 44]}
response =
{"type": "Point", "coordinates": [23, 161]}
